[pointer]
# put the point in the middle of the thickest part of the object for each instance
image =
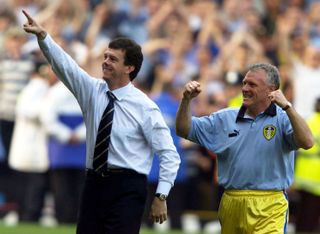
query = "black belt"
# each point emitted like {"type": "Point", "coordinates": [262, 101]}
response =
{"type": "Point", "coordinates": [110, 171]}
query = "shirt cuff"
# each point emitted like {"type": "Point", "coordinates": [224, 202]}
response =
{"type": "Point", "coordinates": [163, 187]}
{"type": "Point", "coordinates": [43, 43]}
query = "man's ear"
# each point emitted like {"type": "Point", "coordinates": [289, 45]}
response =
{"type": "Point", "coordinates": [273, 88]}
{"type": "Point", "coordinates": [130, 68]}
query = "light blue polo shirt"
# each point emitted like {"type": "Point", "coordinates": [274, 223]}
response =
{"type": "Point", "coordinates": [255, 154]}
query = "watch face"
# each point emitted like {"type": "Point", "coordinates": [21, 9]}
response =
{"type": "Point", "coordinates": [162, 197]}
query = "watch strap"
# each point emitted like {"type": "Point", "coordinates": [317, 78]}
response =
{"type": "Point", "coordinates": [286, 107]}
{"type": "Point", "coordinates": [162, 197]}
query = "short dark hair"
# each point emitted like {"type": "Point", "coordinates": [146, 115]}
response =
{"type": "Point", "coordinates": [273, 76]}
{"type": "Point", "coordinates": [133, 55]}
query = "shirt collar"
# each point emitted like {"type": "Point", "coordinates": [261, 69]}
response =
{"type": "Point", "coordinates": [120, 93]}
{"type": "Point", "coordinates": [271, 111]}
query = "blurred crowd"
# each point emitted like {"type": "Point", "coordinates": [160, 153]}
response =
{"type": "Point", "coordinates": [212, 41]}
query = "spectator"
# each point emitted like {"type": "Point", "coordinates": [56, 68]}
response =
{"type": "Point", "coordinates": [15, 71]}
{"type": "Point", "coordinates": [63, 122]}
{"type": "Point", "coordinates": [28, 152]}
{"type": "Point", "coordinates": [307, 180]}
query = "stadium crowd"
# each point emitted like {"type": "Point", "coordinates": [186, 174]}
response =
{"type": "Point", "coordinates": [212, 41]}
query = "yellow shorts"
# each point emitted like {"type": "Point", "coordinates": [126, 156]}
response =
{"type": "Point", "coordinates": [253, 212]}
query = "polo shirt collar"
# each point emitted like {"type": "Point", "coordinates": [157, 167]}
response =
{"type": "Point", "coordinates": [271, 111]}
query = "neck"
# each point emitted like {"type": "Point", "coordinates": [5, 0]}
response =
{"type": "Point", "coordinates": [254, 111]}
{"type": "Point", "coordinates": [117, 85]}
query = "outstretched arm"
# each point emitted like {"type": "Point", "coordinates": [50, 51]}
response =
{"type": "Point", "coordinates": [183, 119]}
{"type": "Point", "coordinates": [65, 67]}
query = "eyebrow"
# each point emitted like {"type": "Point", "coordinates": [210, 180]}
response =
{"type": "Point", "coordinates": [111, 56]}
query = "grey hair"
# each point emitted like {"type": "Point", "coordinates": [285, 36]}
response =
{"type": "Point", "coordinates": [273, 76]}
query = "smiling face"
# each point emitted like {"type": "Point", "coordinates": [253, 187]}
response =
{"type": "Point", "coordinates": [255, 90]}
{"type": "Point", "coordinates": [113, 64]}
{"type": "Point", "coordinates": [115, 72]}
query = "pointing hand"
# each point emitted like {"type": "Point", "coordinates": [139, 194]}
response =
{"type": "Point", "coordinates": [32, 27]}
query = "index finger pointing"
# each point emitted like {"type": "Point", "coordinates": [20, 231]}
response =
{"type": "Point", "coordinates": [30, 20]}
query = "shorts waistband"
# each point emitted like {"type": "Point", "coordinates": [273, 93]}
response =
{"type": "Point", "coordinates": [110, 171]}
{"type": "Point", "coordinates": [234, 192]}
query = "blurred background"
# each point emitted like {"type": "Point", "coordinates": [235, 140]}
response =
{"type": "Point", "coordinates": [42, 140]}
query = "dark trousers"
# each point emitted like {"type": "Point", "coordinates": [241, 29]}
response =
{"type": "Point", "coordinates": [6, 131]}
{"type": "Point", "coordinates": [113, 204]}
{"type": "Point", "coordinates": [66, 185]}
{"type": "Point", "coordinates": [308, 218]}
{"type": "Point", "coordinates": [7, 187]}
{"type": "Point", "coordinates": [36, 187]}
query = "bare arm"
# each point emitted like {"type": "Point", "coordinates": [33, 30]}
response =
{"type": "Point", "coordinates": [183, 119]}
{"type": "Point", "coordinates": [159, 17]}
{"type": "Point", "coordinates": [301, 132]}
{"type": "Point", "coordinates": [49, 11]}
{"type": "Point", "coordinates": [96, 24]}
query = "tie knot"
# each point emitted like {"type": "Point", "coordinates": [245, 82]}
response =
{"type": "Point", "coordinates": [111, 96]}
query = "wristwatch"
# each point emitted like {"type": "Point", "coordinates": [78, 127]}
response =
{"type": "Point", "coordinates": [162, 197]}
{"type": "Point", "coordinates": [286, 107]}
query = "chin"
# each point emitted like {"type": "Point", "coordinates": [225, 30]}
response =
{"type": "Point", "coordinates": [105, 78]}
{"type": "Point", "coordinates": [245, 103]}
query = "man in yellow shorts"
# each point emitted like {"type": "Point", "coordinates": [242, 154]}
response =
{"type": "Point", "coordinates": [255, 145]}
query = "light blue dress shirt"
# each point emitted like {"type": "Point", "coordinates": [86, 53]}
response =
{"type": "Point", "coordinates": [254, 154]}
{"type": "Point", "coordinates": [138, 129]}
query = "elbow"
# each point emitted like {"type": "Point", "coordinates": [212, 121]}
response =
{"type": "Point", "coordinates": [181, 132]}
{"type": "Point", "coordinates": [308, 144]}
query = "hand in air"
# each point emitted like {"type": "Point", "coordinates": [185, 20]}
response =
{"type": "Point", "coordinates": [192, 89]}
{"type": "Point", "coordinates": [278, 98]}
{"type": "Point", "coordinates": [32, 27]}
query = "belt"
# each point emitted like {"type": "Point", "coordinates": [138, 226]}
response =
{"type": "Point", "coordinates": [110, 171]}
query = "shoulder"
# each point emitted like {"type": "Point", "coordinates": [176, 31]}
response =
{"type": "Point", "coordinates": [226, 113]}
{"type": "Point", "coordinates": [218, 118]}
{"type": "Point", "coordinates": [281, 114]}
{"type": "Point", "coordinates": [141, 99]}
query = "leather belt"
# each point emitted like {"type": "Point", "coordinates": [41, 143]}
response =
{"type": "Point", "coordinates": [109, 172]}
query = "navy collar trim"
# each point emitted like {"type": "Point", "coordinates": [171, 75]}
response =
{"type": "Point", "coordinates": [271, 111]}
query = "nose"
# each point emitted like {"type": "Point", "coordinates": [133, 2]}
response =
{"type": "Point", "coordinates": [106, 60]}
{"type": "Point", "coordinates": [244, 87]}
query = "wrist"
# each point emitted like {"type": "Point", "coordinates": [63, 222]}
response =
{"type": "Point", "coordinates": [186, 99]}
{"type": "Point", "coordinates": [287, 106]}
{"type": "Point", "coordinates": [42, 35]}
{"type": "Point", "coordinates": [161, 197]}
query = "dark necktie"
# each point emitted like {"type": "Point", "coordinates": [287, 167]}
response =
{"type": "Point", "coordinates": [103, 137]}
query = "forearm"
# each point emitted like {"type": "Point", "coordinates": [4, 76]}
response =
{"type": "Point", "coordinates": [183, 119]}
{"type": "Point", "coordinates": [302, 133]}
{"type": "Point", "coordinates": [93, 32]}
{"type": "Point", "coordinates": [66, 69]}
